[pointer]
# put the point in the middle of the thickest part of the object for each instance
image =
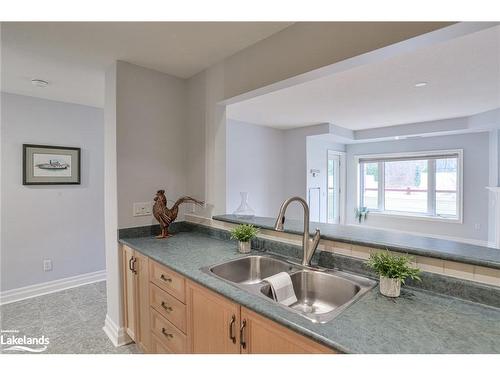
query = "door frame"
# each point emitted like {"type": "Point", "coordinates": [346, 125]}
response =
{"type": "Point", "coordinates": [342, 183]}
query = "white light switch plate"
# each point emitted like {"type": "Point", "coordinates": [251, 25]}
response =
{"type": "Point", "coordinates": [142, 208]}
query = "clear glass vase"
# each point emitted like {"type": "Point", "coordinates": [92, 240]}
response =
{"type": "Point", "coordinates": [244, 211]}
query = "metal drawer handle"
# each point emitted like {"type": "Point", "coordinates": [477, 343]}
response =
{"type": "Point", "coordinates": [242, 329]}
{"type": "Point", "coordinates": [232, 337]}
{"type": "Point", "coordinates": [165, 306]}
{"type": "Point", "coordinates": [134, 261]}
{"type": "Point", "coordinates": [164, 278]}
{"type": "Point", "coordinates": [168, 335]}
{"type": "Point", "coordinates": [130, 264]}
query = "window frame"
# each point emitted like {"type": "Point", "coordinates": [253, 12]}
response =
{"type": "Point", "coordinates": [431, 193]}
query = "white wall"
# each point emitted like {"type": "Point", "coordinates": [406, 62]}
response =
{"type": "Point", "coordinates": [475, 178]}
{"type": "Point", "coordinates": [272, 165]}
{"type": "Point", "coordinates": [147, 149]}
{"type": "Point", "coordinates": [195, 139]}
{"type": "Point", "coordinates": [113, 325]}
{"type": "Point", "coordinates": [295, 164]}
{"type": "Point", "coordinates": [494, 165]}
{"type": "Point", "coordinates": [64, 223]}
{"type": "Point", "coordinates": [150, 138]}
{"type": "Point", "coordinates": [305, 46]}
{"type": "Point", "coordinates": [317, 156]}
{"type": "Point", "coordinates": [255, 164]}
{"type": "Point", "coordinates": [278, 57]}
{"type": "Point", "coordinates": [298, 49]}
{"type": "Point", "coordinates": [254, 151]}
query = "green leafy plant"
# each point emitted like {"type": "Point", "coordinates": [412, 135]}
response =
{"type": "Point", "coordinates": [244, 232]}
{"type": "Point", "coordinates": [361, 213]}
{"type": "Point", "coordinates": [393, 266]}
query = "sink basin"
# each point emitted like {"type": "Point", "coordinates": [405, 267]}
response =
{"type": "Point", "coordinates": [321, 294]}
{"type": "Point", "coordinates": [250, 270]}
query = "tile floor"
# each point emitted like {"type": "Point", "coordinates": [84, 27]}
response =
{"type": "Point", "coordinates": [72, 320]}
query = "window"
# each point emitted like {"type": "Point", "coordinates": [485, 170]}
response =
{"type": "Point", "coordinates": [413, 184]}
{"type": "Point", "coordinates": [370, 178]}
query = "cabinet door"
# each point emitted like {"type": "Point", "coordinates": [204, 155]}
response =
{"type": "Point", "coordinates": [263, 336]}
{"type": "Point", "coordinates": [213, 322]}
{"type": "Point", "coordinates": [157, 346]}
{"type": "Point", "coordinates": [129, 291]}
{"type": "Point", "coordinates": [142, 302]}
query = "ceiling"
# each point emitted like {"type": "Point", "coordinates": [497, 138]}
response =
{"type": "Point", "coordinates": [463, 77]}
{"type": "Point", "coordinates": [73, 56]}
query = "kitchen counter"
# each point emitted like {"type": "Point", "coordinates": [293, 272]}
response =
{"type": "Point", "coordinates": [409, 243]}
{"type": "Point", "coordinates": [417, 322]}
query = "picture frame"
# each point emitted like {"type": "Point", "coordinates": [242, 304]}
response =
{"type": "Point", "coordinates": [51, 165]}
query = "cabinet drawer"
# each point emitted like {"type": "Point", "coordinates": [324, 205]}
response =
{"type": "Point", "coordinates": [157, 346]}
{"type": "Point", "coordinates": [168, 280]}
{"type": "Point", "coordinates": [168, 306]}
{"type": "Point", "coordinates": [170, 336]}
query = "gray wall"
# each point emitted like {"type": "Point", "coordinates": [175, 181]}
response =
{"type": "Point", "coordinates": [270, 164]}
{"type": "Point", "coordinates": [255, 165]}
{"type": "Point", "coordinates": [150, 138]}
{"type": "Point", "coordinates": [62, 223]}
{"type": "Point", "coordinates": [475, 179]}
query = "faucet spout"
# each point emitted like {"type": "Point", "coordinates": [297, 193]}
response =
{"type": "Point", "coordinates": [309, 245]}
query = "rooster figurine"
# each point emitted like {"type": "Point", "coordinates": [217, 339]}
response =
{"type": "Point", "coordinates": [165, 215]}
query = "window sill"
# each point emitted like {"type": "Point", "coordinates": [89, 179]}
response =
{"type": "Point", "coordinates": [415, 217]}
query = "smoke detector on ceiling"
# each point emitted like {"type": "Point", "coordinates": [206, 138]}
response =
{"type": "Point", "coordinates": [39, 82]}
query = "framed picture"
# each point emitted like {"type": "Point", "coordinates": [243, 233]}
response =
{"type": "Point", "coordinates": [51, 165]}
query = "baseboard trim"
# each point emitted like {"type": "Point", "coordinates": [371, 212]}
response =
{"type": "Point", "coordinates": [36, 290]}
{"type": "Point", "coordinates": [117, 335]}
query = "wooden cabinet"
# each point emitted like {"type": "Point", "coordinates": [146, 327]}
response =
{"type": "Point", "coordinates": [213, 322]}
{"type": "Point", "coordinates": [136, 297]}
{"type": "Point", "coordinates": [157, 346]}
{"type": "Point", "coordinates": [217, 325]}
{"type": "Point", "coordinates": [169, 335]}
{"type": "Point", "coordinates": [168, 306]}
{"type": "Point", "coordinates": [167, 297]}
{"type": "Point", "coordinates": [166, 313]}
{"type": "Point", "coordinates": [142, 298]}
{"type": "Point", "coordinates": [262, 336]}
{"type": "Point", "coordinates": [129, 291]}
{"type": "Point", "coordinates": [168, 280]}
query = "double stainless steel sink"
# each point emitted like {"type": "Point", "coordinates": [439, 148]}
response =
{"type": "Point", "coordinates": [321, 294]}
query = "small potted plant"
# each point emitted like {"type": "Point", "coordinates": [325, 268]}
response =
{"type": "Point", "coordinates": [393, 270]}
{"type": "Point", "coordinates": [361, 213]}
{"type": "Point", "coordinates": [244, 234]}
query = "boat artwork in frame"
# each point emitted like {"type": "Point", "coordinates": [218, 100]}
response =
{"type": "Point", "coordinates": [51, 165]}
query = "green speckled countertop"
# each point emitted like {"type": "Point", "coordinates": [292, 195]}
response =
{"type": "Point", "coordinates": [417, 322]}
{"type": "Point", "coordinates": [365, 236]}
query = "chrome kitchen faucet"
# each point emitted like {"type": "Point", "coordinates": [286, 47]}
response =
{"type": "Point", "coordinates": [309, 244]}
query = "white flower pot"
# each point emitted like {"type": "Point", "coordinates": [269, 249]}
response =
{"type": "Point", "coordinates": [390, 287]}
{"type": "Point", "coordinates": [244, 247]}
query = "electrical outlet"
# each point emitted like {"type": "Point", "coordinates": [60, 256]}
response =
{"type": "Point", "coordinates": [47, 265]}
{"type": "Point", "coordinates": [142, 209]}
{"type": "Point", "coordinates": [477, 226]}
